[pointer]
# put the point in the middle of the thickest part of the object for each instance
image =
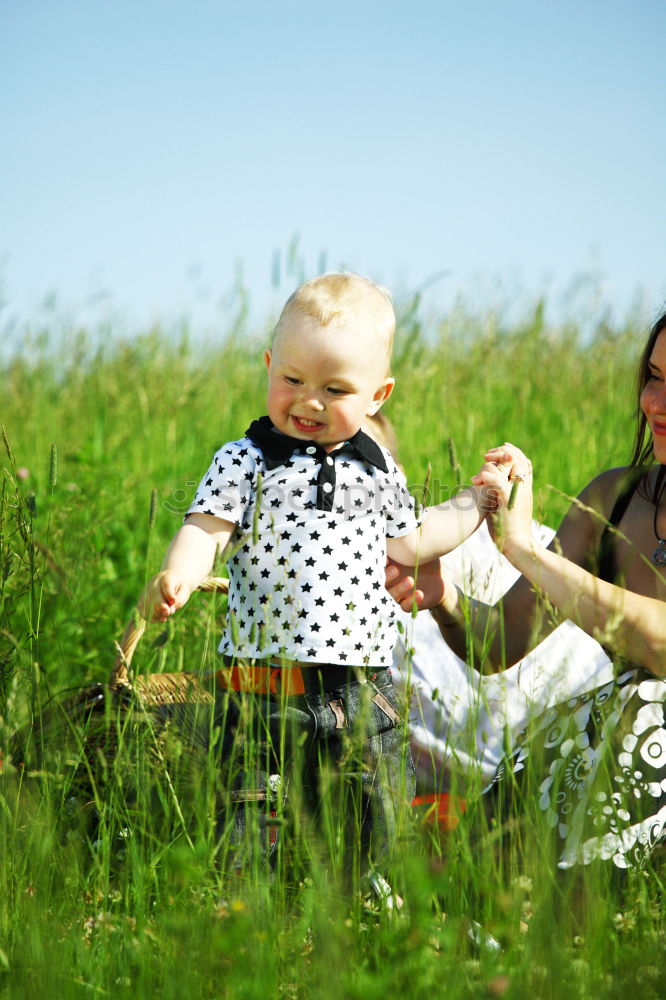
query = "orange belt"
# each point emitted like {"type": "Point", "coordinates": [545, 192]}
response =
{"type": "Point", "coordinates": [262, 680]}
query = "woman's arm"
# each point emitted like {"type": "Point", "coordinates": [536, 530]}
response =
{"type": "Point", "coordinates": [496, 637]}
{"type": "Point", "coordinates": [630, 624]}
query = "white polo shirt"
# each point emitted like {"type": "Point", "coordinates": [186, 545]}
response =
{"type": "Point", "coordinates": [308, 554]}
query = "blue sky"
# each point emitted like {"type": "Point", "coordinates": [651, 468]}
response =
{"type": "Point", "coordinates": [150, 148]}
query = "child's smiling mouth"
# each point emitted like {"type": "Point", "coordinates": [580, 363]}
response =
{"type": "Point", "coordinates": [305, 425]}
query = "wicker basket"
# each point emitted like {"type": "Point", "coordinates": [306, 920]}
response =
{"type": "Point", "coordinates": [80, 731]}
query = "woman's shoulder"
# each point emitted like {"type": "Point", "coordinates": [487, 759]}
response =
{"type": "Point", "coordinates": [602, 492]}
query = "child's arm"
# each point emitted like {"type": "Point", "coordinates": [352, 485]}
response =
{"type": "Point", "coordinates": [443, 528]}
{"type": "Point", "coordinates": [189, 559]}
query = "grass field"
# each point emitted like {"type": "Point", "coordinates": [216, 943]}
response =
{"type": "Point", "coordinates": [105, 445]}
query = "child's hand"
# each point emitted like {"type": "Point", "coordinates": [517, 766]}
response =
{"type": "Point", "coordinates": [165, 594]}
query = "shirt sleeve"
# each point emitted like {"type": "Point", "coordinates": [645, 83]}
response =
{"type": "Point", "coordinates": [227, 488]}
{"type": "Point", "coordinates": [398, 504]}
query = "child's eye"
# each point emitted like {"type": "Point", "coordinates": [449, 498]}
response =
{"type": "Point", "coordinates": [291, 381]}
{"type": "Point", "coordinates": [337, 392]}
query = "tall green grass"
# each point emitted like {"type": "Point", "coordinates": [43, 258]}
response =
{"type": "Point", "coordinates": [123, 889]}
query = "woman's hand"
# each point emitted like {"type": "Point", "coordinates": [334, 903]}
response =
{"type": "Point", "coordinates": [426, 591]}
{"type": "Point", "coordinates": [508, 475]}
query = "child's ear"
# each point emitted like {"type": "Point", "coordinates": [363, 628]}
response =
{"type": "Point", "coordinates": [381, 395]}
{"type": "Point", "coordinates": [267, 358]}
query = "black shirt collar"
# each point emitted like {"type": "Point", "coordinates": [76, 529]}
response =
{"type": "Point", "coordinates": [277, 448]}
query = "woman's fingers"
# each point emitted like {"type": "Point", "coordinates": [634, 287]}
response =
{"type": "Point", "coordinates": [511, 459]}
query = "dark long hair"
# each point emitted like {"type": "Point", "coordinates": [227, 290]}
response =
{"type": "Point", "coordinates": [643, 442]}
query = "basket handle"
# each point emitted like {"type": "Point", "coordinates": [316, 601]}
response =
{"type": "Point", "coordinates": [135, 628]}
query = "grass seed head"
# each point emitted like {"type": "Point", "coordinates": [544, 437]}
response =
{"type": "Point", "coordinates": [53, 466]}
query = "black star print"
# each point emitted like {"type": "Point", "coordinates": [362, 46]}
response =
{"type": "Point", "coordinates": [327, 550]}
{"type": "Point", "coordinates": [315, 627]}
{"type": "Point", "coordinates": [354, 580]}
{"type": "Point", "coordinates": [330, 642]}
{"type": "Point", "coordinates": [319, 601]}
{"type": "Point", "coordinates": [296, 547]}
{"type": "Point", "coordinates": [338, 591]}
{"type": "Point", "coordinates": [345, 541]}
{"type": "Point", "coordinates": [306, 588]}
{"type": "Point", "coordinates": [291, 517]}
{"type": "Point", "coordinates": [315, 536]}
{"type": "Point", "coordinates": [312, 652]}
{"type": "Point", "coordinates": [268, 547]}
{"type": "Point", "coordinates": [265, 573]}
{"type": "Point", "coordinates": [310, 561]}
{"type": "Point", "coordinates": [334, 617]}
{"type": "Point", "coordinates": [342, 566]}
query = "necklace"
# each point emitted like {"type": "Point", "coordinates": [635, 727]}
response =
{"type": "Point", "coordinates": [659, 555]}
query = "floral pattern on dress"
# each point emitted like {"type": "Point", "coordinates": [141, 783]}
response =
{"type": "Point", "coordinates": [603, 789]}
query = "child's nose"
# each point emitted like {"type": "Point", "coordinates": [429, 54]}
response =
{"type": "Point", "coordinates": [314, 401]}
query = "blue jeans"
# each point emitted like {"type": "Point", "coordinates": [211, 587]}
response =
{"type": "Point", "coordinates": [328, 769]}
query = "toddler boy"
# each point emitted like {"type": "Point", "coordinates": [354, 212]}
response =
{"type": "Point", "coordinates": [309, 505]}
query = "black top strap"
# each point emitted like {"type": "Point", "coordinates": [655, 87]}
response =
{"type": "Point", "coordinates": [607, 565]}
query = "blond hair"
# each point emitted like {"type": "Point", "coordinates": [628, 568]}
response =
{"type": "Point", "coordinates": [342, 296]}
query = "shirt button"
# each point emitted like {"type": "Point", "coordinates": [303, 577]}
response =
{"type": "Point", "coordinates": [310, 451]}
{"type": "Point", "coordinates": [327, 487]}
{"type": "Point", "coordinates": [329, 460]}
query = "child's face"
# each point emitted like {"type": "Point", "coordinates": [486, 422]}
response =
{"type": "Point", "coordinates": [323, 380]}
